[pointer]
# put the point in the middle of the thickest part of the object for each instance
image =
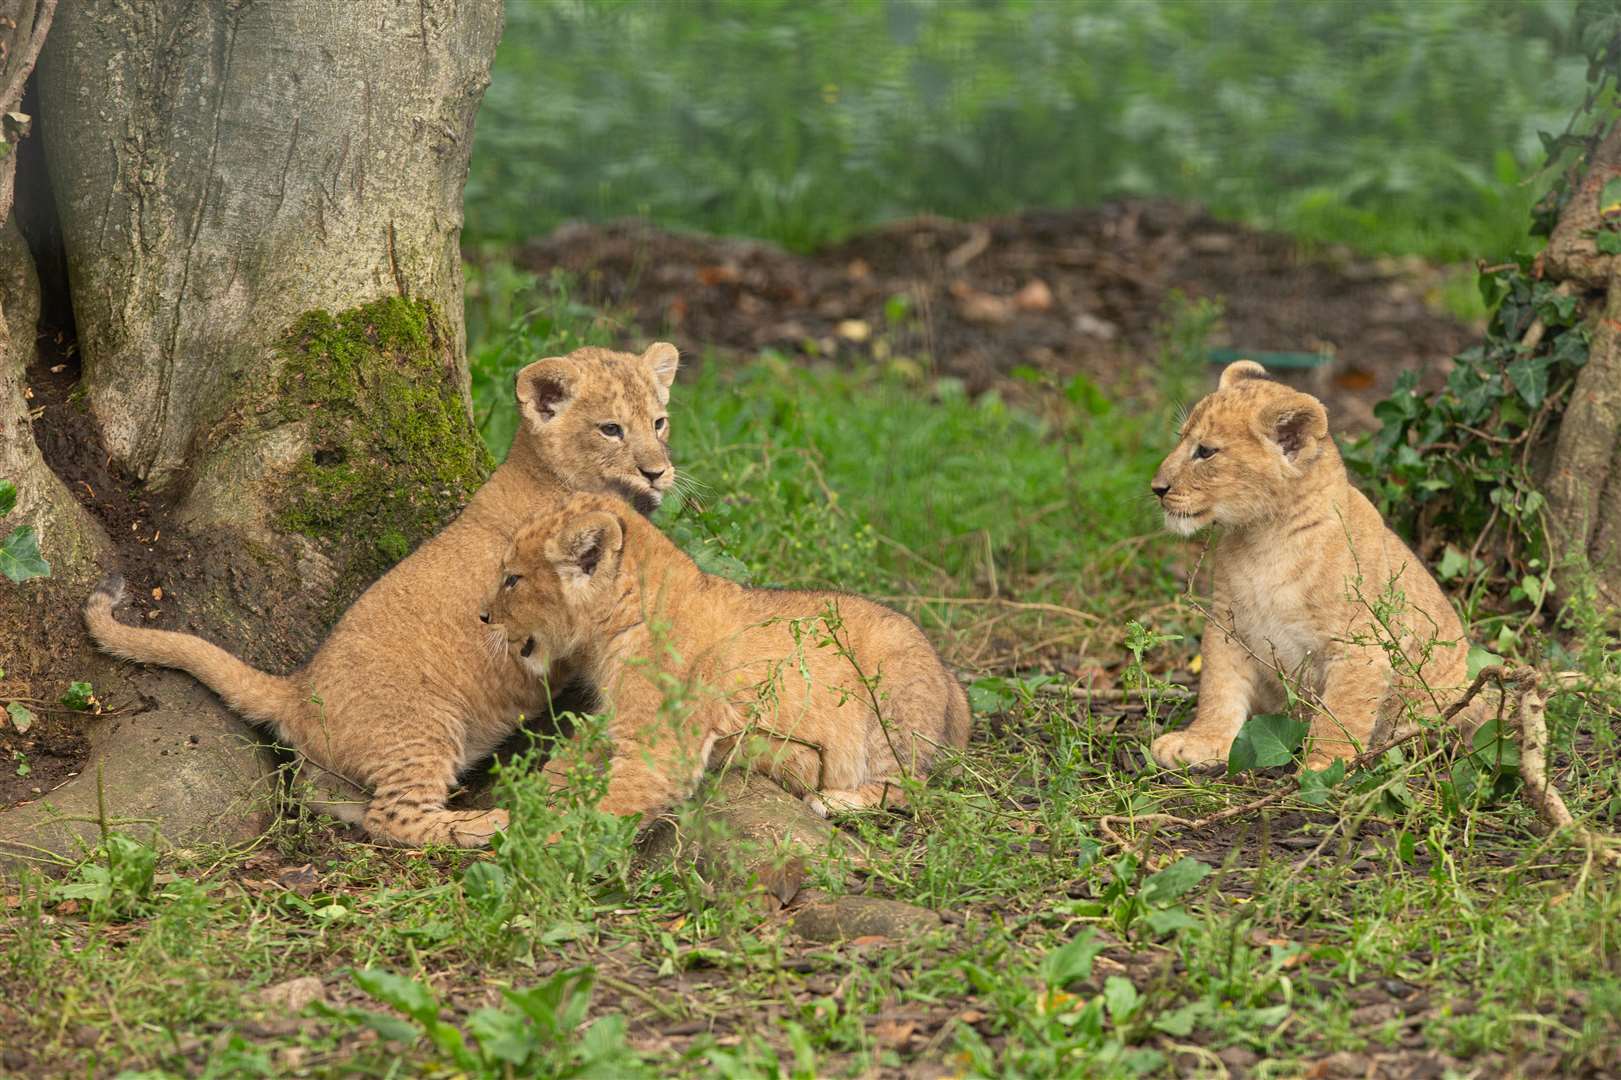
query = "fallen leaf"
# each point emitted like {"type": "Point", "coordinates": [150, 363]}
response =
{"type": "Point", "coordinates": [1354, 378]}
{"type": "Point", "coordinates": [895, 1034]}
{"type": "Point", "coordinates": [21, 718]}
{"type": "Point", "coordinates": [292, 995]}
{"type": "Point", "coordinates": [981, 307]}
{"type": "Point", "coordinates": [302, 880]}
{"type": "Point", "coordinates": [855, 330]}
{"type": "Point", "coordinates": [721, 274]}
{"type": "Point", "coordinates": [1035, 296]}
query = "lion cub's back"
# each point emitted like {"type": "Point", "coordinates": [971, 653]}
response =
{"type": "Point", "coordinates": [863, 639]}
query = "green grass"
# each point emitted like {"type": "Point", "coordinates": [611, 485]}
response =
{"type": "Point", "coordinates": [1408, 909]}
{"type": "Point", "coordinates": [1394, 126]}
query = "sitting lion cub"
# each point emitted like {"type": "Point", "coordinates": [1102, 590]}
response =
{"type": "Point", "coordinates": [834, 697]}
{"type": "Point", "coordinates": [402, 696]}
{"type": "Point", "coordinates": [1303, 564]}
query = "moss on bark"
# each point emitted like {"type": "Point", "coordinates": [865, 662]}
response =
{"type": "Point", "coordinates": [394, 453]}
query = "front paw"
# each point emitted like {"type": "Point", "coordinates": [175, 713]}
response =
{"type": "Point", "coordinates": [1318, 760]}
{"type": "Point", "coordinates": [478, 830]}
{"type": "Point", "coordinates": [1183, 748]}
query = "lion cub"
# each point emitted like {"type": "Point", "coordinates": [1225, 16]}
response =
{"type": "Point", "coordinates": [835, 697]}
{"type": "Point", "coordinates": [1308, 579]}
{"type": "Point", "coordinates": [403, 695]}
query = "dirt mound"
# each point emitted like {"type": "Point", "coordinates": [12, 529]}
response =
{"type": "Point", "coordinates": [1066, 292]}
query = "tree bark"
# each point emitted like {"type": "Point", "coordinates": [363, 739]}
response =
{"type": "Point", "coordinates": [260, 207]}
{"type": "Point", "coordinates": [234, 165]}
{"type": "Point", "coordinates": [1583, 481]}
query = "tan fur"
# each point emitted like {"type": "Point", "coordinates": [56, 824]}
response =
{"type": "Point", "coordinates": [403, 695]}
{"type": "Point", "coordinates": [695, 670]}
{"type": "Point", "coordinates": [1297, 545]}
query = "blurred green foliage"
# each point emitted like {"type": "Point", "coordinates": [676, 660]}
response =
{"type": "Point", "coordinates": [1391, 125]}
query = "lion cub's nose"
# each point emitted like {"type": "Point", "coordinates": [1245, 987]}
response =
{"type": "Point", "coordinates": [1159, 489]}
{"type": "Point", "coordinates": [652, 475]}
{"type": "Point", "coordinates": [484, 616]}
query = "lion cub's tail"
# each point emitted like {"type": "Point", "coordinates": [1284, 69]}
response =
{"type": "Point", "coordinates": [959, 715]}
{"type": "Point", "coordinates": [269, 699]}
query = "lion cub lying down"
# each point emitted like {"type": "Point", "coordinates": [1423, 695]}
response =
{"type": "Point", "coordinates": [834, 697]}
{"type": "Point", "coordinates": [1302, 565]}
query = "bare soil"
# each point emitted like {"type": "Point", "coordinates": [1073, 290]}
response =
{"type": "Point", "coordinates": [1064, 292]}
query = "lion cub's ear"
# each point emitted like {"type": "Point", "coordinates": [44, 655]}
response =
{"type": "Point", "coordinates": [587, 549]}
{"type": "Point", "coordinates": [1239, 370]}
{"type": "Point", "coordinates": [662, 359]}
{"type": "Point", "coordinates": [1295, 424]}
{"type": "Point", "coordinates": [544, 390]}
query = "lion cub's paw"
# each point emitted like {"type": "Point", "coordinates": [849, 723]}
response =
{"type": "Point", "coordinates": [476, 830]}
{"type": "Point", "coordinates": [1182, 748]}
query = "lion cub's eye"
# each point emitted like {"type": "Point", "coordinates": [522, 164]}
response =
{"type": "Point", "coordinates": [1202, 451]}
{"type": "Point", "coordinates": [613, 431]}
{"type": "Point", "coordinates": [658, 425]}
{"type": "Point", "coordinates": [512, 579]}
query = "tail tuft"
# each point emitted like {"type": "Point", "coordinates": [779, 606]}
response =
{"type": "Point", "coordinates": [112, 587]}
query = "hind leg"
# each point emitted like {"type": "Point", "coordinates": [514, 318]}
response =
{"type": "Point", "coordinates": [408, 799]}
{"type": "Point", "coordinates": [877, 795]}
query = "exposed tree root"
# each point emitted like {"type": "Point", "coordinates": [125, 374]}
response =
{"type": "Point", "coordinates": [1526, 721]}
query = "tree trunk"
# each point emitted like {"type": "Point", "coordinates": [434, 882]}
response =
{"type": "Point", "coordinates": [1583, 481]}
{"type": "Point", "coordinates": [260, 209]}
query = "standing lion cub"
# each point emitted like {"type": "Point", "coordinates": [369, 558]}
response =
{"type": "Point", "coordinates": [834, 697]}
{"type": "Point", "coordinates": [1309, 581]}
{"type": "Point", "coordinates": [402, 696]}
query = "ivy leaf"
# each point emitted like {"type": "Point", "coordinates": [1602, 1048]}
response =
{"type": "Point", "coordinates": [19, 556]}
{"type": "Point", "coordinates": [1607, 241]}
{"type": "Point", "coordinates": [8, 497]}
{"type": "Point", "coordinates": [1265, 740]}
{"type": "Point", "coordinates": [1530, 378]}
{"type": "Point", "coordinates": [80, 696]}
{"type": "Point", "coordinates": [1479, 658]}
{"type": "Point", "coordinates": [21, 718]}
{"type": "Point", "coordinates": [1571, 348]}
{"type": "Point", "coordinates": [1315, 785]}
{"type": "Point", "coordinates": [1453, 563]}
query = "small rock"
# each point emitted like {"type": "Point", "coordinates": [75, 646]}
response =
{"type": "Point", "coordinates": [855, 330]}
{"type": "Point", "coordinates": [1092, 326]}
{"type": "Point", "coordinates": [845, 917]}
{"type": "Point", "coordinates": [291, 995]}
{"type": "Point", "coordinates": [746, 830]}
